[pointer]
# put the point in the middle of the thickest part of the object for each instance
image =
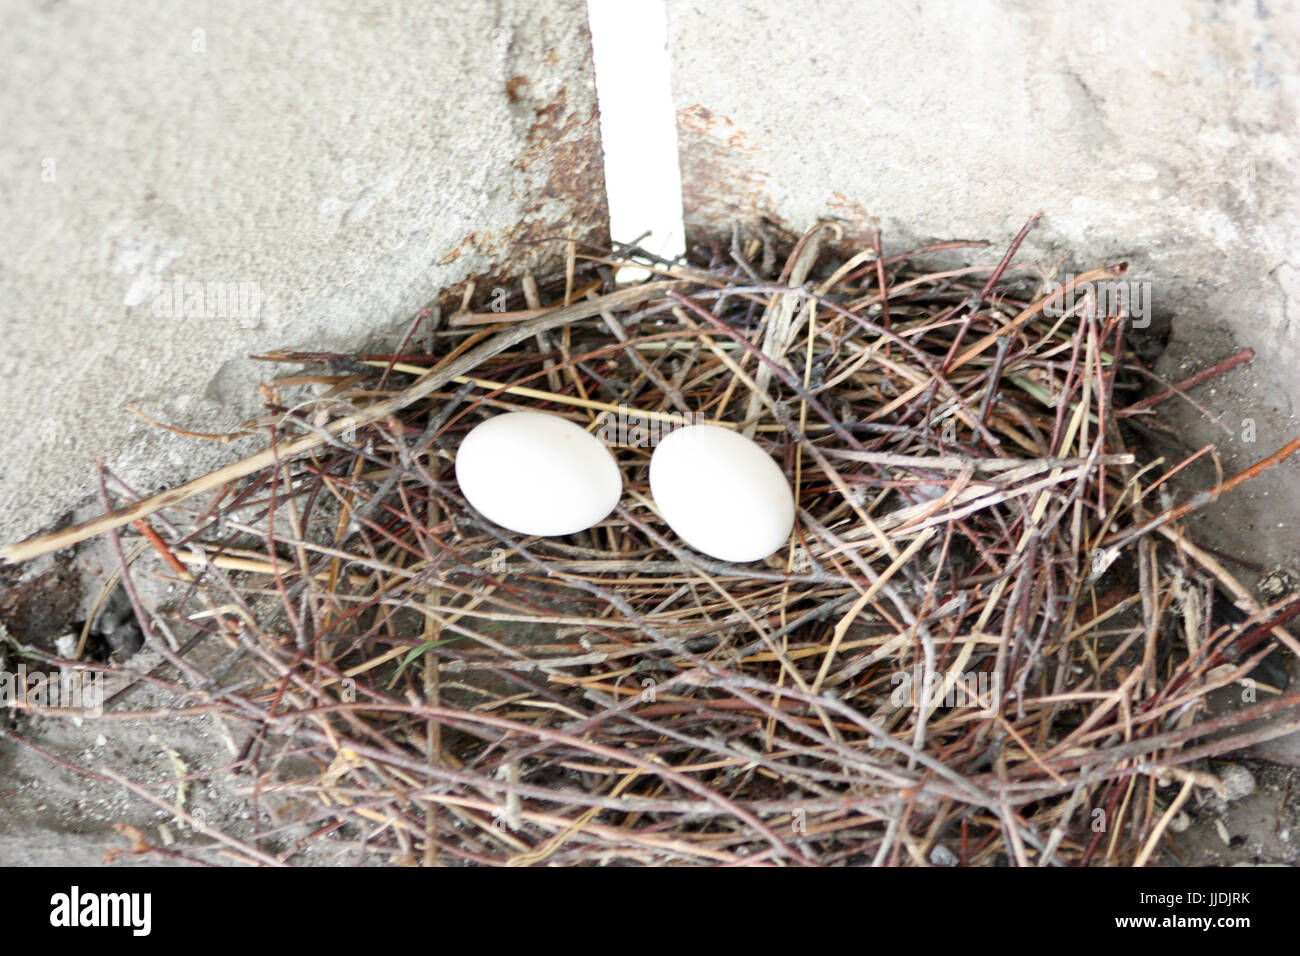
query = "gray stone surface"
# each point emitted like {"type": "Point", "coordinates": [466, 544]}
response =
{"type": "Point", "coordinates": [1164, 134]}
{"type": "Point", "coordinates": [347, 161]}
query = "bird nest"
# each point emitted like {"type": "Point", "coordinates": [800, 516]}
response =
{"type": "Point", "coordinates": [987, 640]}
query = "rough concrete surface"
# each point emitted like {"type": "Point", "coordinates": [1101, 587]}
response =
{"type": "Point", "coordinates": [337, 164]}
{"type": "Point", "coordinates": [1257, 827]}
{"type": "Point", "coordinates": [1161, 133]}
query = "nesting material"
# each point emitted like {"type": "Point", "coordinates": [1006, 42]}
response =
{"type": "Point", "coordinates": [985, 640]}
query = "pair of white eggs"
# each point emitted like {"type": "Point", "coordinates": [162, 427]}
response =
{"type": "Point", "coordinates": [540, 474]}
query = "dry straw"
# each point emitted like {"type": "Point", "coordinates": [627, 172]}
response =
{"type": "Point", "coordinates": [983, 643]}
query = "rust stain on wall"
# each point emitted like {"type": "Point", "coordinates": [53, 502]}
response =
{"type": "Point", "coordinates": [724, 182]}
{"type": "Point", "coordinates": [561, 180]}
{"type": "Point", "coordinates": [721, 184]}
{"type": "Point", "coordinates": [565, 162]}
{"type": "Point", "coordinates": [515, 87]}
{"type": "Point", "coordinates": [856, 220]}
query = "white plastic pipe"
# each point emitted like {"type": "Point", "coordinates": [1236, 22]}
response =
{"type": "Point", "coordinates": [638, 126]}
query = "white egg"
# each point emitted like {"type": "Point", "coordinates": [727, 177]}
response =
{"type": "Point", "coordinates": [721, 493]}
{"type": "Point", "coordinates": [537, 474]}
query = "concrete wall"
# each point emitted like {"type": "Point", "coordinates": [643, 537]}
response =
{"type": "Point", "coordinates": [1159, 131]}
{"type": "Point", "coordinates": [348, 160]}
